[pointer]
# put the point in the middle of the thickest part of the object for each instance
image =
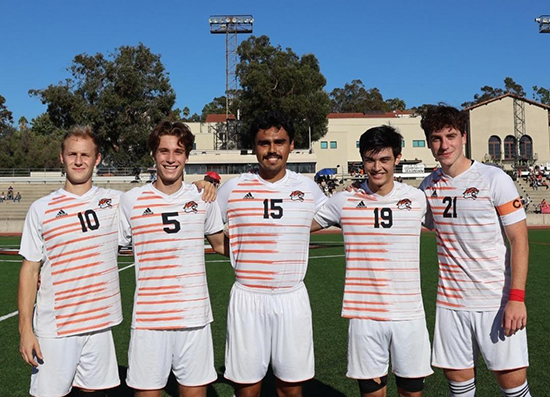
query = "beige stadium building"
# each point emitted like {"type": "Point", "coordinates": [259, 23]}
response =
{"type": "Point", "coordinates": [507, 130]}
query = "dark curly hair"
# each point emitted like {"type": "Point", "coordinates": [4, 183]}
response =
{"type": "Point", "coordinates": [266, 120]}
{"type": "Point", "coordinates": [439, 117]}
{"type": "Point", "coordinates": [177, 129]}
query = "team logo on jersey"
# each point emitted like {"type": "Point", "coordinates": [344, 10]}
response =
{"type": "Point", "coordinates": [297, 195]}
{"type": "Point", "coordinates": [471, 192]}
{"type": "Point", "coordinates": [105, 203]}
{"type": "Point", "coordinates": [191, 206]}
{"type": "Point", "coordinates": [61, 213]}
{"type": "Point", "coordinates": [147, 212]}
{"type": "Point", "coordinates": [404, 204]}
{"type": "Point", "coordinates": [361, 204]}
{"type": "Point", "coordinates": [248, 196]}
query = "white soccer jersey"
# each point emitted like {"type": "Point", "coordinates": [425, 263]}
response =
{"type": "Point", "coordinates": [269, 227]}
{"type": "Point", "coordinates": [382, 243]}
{"type": "Point", "coordinates": [167, 233]}
{"type": "Point", "coordinates": [469, 212]}
{"type": "Point", "coordinates": [75, 239]}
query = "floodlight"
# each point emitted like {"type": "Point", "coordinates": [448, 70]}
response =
{"type": "Point", "coordinates": [544, 23]}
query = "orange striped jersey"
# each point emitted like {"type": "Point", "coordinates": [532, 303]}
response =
{"type": "Point", "coordinates": [269, 227]}
{"type": "Point", "coordinates": [75, 239]}
{"type": "Point", "coordinates": [469, 212]}
{"type": "Point", "coordinates": [167, 234]}
{"type": "Point", "coordinates": [382, 244]}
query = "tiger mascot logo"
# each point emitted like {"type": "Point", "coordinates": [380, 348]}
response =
{"type": "Point", "coordinates": [471, 192]}
{"type": "Point", "coordinates": [105, 203]}
{"type": "Point", "coordinates": [297, 195]}
{"type": "Point", "coordinates": [404, 204]}
{"type": "Point", "coordinates": [191, 206]}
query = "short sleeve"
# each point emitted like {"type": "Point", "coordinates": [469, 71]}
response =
{"type": "Point", "coordinates": [32, 242]}
{"type": "Point", "coordinates": [319, 198]}
{"type": "Point", "coordinates": [223, 195]}
{"type": "Point", "coordinates": [506, 198]}
{"type": "Point", "coordinates": [125, 213]}
{"type": "Point", "coordinates": [213, 222]}
{"type": "Point", "coordinates": [330, 213]}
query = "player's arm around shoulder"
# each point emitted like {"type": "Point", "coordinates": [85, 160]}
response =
{"type": "Point", "coordinates": [26, 295]}
{"type": "Point", "coordinates": [330, 213]}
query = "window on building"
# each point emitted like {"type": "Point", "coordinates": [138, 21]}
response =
{"type": "Point", "coordinates": [526, 147]}
{"type": "Point", "coordinates": [419, 143]}
{"type": "Point", "coordinates": [509, 147]}
{"type": "Point", "coordinates": [194, 146]}
{"type": "Point", "coordinates": [333, 144]}
{"type": "Point", "coordinates": [357, 144]}
{"type": "Point", "coordinates": [402, 143]}
{"type": "Point", "coordinates": [494, 148]}
{"type": "Point", "coordinates": [324, 145]}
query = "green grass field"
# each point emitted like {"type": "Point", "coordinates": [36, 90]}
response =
{"type": "Point", "coordinates": [325, 281]}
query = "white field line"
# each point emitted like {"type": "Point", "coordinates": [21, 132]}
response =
{"type": "Point", "coordinates": [5, 317]}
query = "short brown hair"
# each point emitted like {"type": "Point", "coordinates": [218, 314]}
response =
{"type": "Point", "coordinates": [439, 117]}
{"type": "Point", "coordinates": [178, 129]}
{"type": "Point", "coordinates": [82, 131]}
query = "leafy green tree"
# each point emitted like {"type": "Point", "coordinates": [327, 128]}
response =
{"type": "Point", "coordinates": [26, 149]}
{"type": "Point", "coordinates": [122, 96]}
{"type": "Point", "coordinates": [488, 92]}
{"type": "Point", "coordinates": [273, 79]}
{"type": "Point", "coordinates": [355, 98]}
{"type": "Point", "coordinates": [215, 106]}
{"type": "Point", "coordinates": [6, 117]}
{"type": "Point", "coordinates": [541, 95]}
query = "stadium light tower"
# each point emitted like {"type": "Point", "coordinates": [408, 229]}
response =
{"type": "Point", "coordinates": [544, 23]}
{"type": "Point", "coordinates": [231, 26]}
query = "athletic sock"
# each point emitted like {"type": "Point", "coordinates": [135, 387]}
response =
{"type": "Point", "coordinates": [520, 391]}
{"type": "Point", "coordinates": [462, 389]}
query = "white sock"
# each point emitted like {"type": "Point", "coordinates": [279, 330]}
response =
{"type": "Point", "coordinates": [462, 389]}
{"type": "Point", "coordinates": [520, 391]}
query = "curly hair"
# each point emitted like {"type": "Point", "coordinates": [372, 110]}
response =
{"type": "Point", "coordinates": [439, 117]}
{"type": "Point", "coordinates": [177, 129]}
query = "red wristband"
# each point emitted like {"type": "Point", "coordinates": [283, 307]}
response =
{"type": "Point", "coordinates": [517, 295]}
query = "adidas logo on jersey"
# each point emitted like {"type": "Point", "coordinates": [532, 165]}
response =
{"type": "Point", "coordinates": [147, 211]}
{"type": "Point", "coordinates": [249, 196]}
{"type": "Point", "coordinates": [361, 205]}
{"type": "Point", "coordinates": [61, 213]}
{"type": "Point", "coordinates": [434, 194]}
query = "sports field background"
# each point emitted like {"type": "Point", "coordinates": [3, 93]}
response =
{"type": "Point", "coordinates": [325, 281]}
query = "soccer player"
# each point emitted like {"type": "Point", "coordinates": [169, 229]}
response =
{"type": "Point", "coordinates": [269, 217]}
{"type": "Point", "coordinates": [166, 221]}
{"type": "Point", "coordinates": [381, 223]}
{"type": "Point", "coordinates": [69, 239]}
{"type": "Point", "coordinates": [481, 289]}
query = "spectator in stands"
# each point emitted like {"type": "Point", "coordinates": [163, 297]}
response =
{"type": "Point", "coordinates": [543, 204]}
{"type": "Point", "coordinates": [17, 198]}
{"type": "Point", "coordinates": [10, 193]}
{"type": "Point", "coordinates": [2, 197]}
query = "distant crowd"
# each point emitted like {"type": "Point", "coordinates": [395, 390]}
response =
{"type": "Point", "coordinates": [535, 177]}
{"type": "Point", "coordinates": [10, 196]}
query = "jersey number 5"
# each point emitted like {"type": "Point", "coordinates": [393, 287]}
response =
{"type": "Point", "coordinates": [176, 227]}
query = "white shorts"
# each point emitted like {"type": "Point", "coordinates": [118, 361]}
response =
{"type": "Point", "coordinates": [87, 361]}
{"type": "Point", "coordinates": [460, 336]}
{"type": "Point", "coordinates": [371, 343]}
{"type": "Point", "coordinates": [187, 352]}
{"type": "Point", "coordinates": [264, 325]}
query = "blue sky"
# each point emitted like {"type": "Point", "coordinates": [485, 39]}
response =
{"type": "Point", "coordinates": [419, 51]}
